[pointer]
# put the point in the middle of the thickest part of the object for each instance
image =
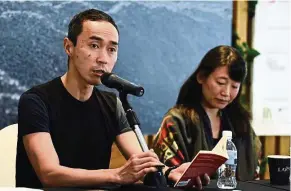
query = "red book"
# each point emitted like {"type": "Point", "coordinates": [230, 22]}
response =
{"type": "Point", "coordinates": [204, 162]}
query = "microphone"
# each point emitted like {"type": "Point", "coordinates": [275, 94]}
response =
{"type": "Point", "coordinates": [111, 80]}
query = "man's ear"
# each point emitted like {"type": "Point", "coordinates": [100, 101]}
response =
{"type": "Point", "coordinates": [68, 46]}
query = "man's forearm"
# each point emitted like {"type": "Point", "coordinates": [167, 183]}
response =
{"type": "Point", "coordinates": [70, 177]}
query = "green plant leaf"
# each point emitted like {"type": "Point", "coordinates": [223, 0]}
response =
{"type": "Point", "coordinates": [251, 54]}
{"type": "Point", "coordinates": [246, 52]}
{"type": "Point", "coordinates": [263, 165]}
{"type": "Point", "coordinates": [245, 45]}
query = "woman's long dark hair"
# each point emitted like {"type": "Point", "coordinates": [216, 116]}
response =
{"type": "Point", "coordinates": [191, 91]}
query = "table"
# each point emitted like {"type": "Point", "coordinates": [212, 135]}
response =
{"type": "Point", "coordinates": [260, 185]}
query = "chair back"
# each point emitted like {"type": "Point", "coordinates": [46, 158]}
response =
{"type": "Point", "coordinates": [8, 144]}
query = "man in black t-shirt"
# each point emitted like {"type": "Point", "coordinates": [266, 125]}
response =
{"type": "Point", "coordinates": [67, 126]}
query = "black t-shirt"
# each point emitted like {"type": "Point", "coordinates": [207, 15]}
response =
{"type": "Point", "coordinates": [79, 130]}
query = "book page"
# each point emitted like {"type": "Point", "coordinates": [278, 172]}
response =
{"type": "Point", "coordinates": [220, 147]}
{"type": "Point", "coordinates": [204, 162]}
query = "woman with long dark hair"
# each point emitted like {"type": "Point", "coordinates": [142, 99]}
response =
{"type": "Point", "coordinates": [208, 103]}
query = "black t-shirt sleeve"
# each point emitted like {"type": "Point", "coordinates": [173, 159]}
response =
{"type": "Point", "coordinates": [123, 125]}
{"type": "Point", "coordinates": [32, 115]}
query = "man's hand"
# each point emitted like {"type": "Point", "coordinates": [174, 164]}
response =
{"type": "Point", "coordinates": [137, 167]}
{"type": "Point", "coordinates": [175, 174]}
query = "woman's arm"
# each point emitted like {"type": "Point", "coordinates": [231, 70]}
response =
{"type": "Point", "coordinates": [166, 143]}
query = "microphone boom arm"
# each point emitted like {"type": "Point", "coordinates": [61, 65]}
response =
{"type": "Point", "coordinates": [133, 120]}
{"type": "Point", "coordinates": [156, 179]}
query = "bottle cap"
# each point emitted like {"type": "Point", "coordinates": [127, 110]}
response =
{"type": "Point", "coordinates": [227, 133]}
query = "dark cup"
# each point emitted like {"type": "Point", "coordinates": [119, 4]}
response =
{"type": "Point", "coordinates": [279, 168]}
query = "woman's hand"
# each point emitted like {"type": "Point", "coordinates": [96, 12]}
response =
{"type": "Point", "coordinates": [175, 174]}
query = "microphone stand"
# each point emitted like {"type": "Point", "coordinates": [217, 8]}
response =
{"type": "Point", "coordinates": [156, 179]}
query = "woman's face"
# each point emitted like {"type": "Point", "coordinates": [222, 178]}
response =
{"type": "Point", "coordinates": [218, 89]}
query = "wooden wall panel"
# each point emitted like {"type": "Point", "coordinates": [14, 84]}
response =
{"type": "Point", "coordinates": [284, 148]}
{"type": "Point", "coordinates": [117, 158]}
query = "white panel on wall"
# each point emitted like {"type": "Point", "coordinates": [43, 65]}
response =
{"type": "Point", "coordinates": [271, 99]}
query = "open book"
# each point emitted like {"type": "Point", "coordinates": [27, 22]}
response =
{"type": "Point", "coordinates": [204, 162]}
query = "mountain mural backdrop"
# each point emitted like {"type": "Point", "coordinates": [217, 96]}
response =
{"type": "Point", "coordinates": [161, 44]}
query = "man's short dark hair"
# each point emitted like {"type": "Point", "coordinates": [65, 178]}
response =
{"type": "Point", "coordinates": [76, 24]}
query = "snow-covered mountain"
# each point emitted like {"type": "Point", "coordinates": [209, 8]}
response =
{"type": "Point", "coordinates": [161, 43]}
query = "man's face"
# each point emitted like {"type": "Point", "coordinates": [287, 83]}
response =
{"type": "Point", "coordinates": [95, 51]}
{"type": "Point", "coordinates": [219, 89]}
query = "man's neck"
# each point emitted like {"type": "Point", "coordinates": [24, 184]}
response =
{"type": "Point", "coordinates": [77, 87]}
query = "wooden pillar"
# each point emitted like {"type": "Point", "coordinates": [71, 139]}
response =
{"type": "Point", "coordinates": [240, 19]}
